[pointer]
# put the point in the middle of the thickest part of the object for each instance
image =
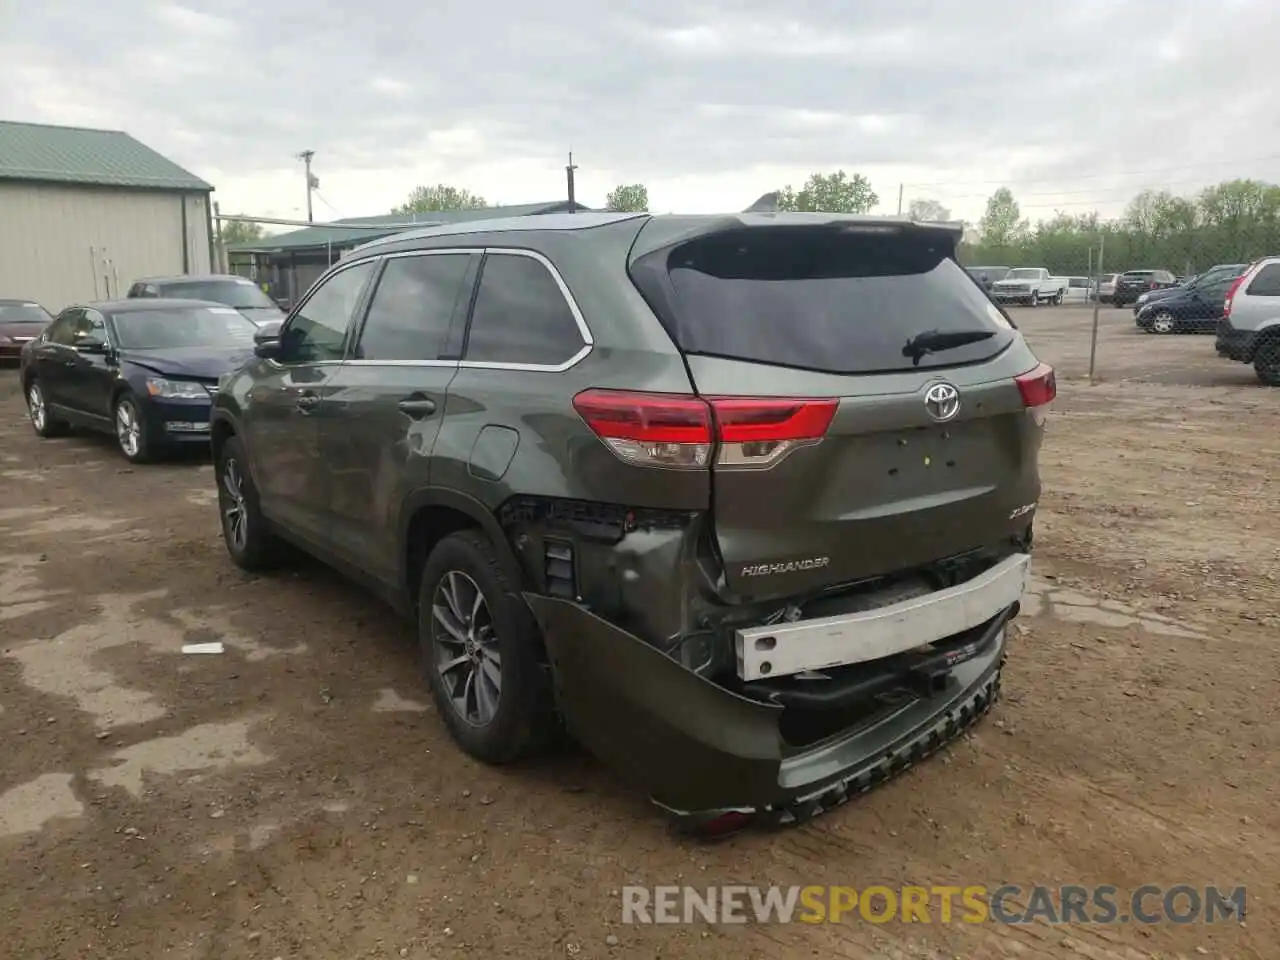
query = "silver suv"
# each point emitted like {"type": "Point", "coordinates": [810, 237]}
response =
{"type": "Point", "coordinates": [1249, 331]}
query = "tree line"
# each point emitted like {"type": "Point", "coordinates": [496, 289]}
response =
{"type": "Point", "coordinates": [1230, 222]}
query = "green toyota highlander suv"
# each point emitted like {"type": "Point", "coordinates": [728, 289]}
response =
{"type": "Point", "coordinates": [744, 502]}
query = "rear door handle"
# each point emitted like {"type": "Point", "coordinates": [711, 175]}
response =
{"type": "Point", "coordinates": [417, 406]}
{"type": "Point", "coordinates": [308, 402]}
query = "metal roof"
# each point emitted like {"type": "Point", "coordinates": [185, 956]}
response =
{"type": "Point", "coordinates": [338, 234]}
{"type": "Point", "coordinates": [37, 152]}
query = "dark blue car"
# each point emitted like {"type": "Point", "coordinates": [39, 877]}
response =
{"type": "Point", "coordinates": [1194, 308]}
{"type": "Point", "coordinates": [141, 370]}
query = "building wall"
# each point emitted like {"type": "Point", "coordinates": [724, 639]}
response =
{"type": "Point", "coordinates": [47, 232]}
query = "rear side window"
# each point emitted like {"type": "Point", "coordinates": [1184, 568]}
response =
{"type": "Point", "coordinates": [413, 307]}
{"type": "Point", "coordinates": [820, 299]}
{"type": "Point", "coordinates": [521, 315]}
{"type": "Point", "coordinates": [1266, 283]}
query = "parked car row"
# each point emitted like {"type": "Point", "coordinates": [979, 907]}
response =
{"type": "Point", "coordinates": [584, 468]}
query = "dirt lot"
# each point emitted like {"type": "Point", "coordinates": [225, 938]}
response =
{"type": "Point", "coordinates": [295, 797]}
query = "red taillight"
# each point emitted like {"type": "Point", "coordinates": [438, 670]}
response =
{"type": "Point", "coordinates": [1039, 386]}
{"type": "Point", "coordinates": [673, 430]}
{"type": "Point", "coordinates": [746, 420]}
{"type": "Point", "coordinates": [1231, 290]}
{"type": "Point", "coordinates": [655, 429]}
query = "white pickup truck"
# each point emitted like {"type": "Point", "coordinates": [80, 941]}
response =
{"type": "Point", "coordinates": [1030, 285]}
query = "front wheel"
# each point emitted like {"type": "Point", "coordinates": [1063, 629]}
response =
{"type": "Point", "coordinates": [479, 644]}
{"type": "Point", "coordinates": [1058, 298]}
{"type": "Point", "coordinates": [42, 420]}
{"type": "Point", "coordinates": [1164, 322]}
{"type": "Point", "coordinates": [131, 430]}
{"type": "Point", "coordinates": [252, 547]}
{"type": "Point", "coordinates": [1266, 364]}
{"type": "Point", "coordinates": [1034, 301]}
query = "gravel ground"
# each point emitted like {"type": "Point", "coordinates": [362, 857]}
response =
{"type": "Point", "coordinates": [296, 797]}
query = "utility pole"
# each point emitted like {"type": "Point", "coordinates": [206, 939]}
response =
{"type": "Point", "coordinates": [305, 156]}
{"type": "Point", "coordinates": [901, 186]}
{"type": "Point", "coordinates": [568, 174]}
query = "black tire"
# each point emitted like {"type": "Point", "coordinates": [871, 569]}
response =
{"type": "Point", "coordinates": [1057, 298]}
{"type": "Point", "coordinates": [42, 421]}
{"type": "Point", "coordinates": [256, 549]}
{"type": "Point", "coordinates": [133, 440]}
{"type": "Point", "coordinates": [1117, 304]}
{"type": "Point", "coordinates": [523, 721]}
{"type": "Point", "coordinates": [1266, 364]}
{"type": "Point", "coordinates": [1034, 301]}
{"type": "Point", "coordinates": [1166, 320]}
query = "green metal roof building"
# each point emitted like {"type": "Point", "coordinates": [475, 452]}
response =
{"type": "Point", "coordinates": [290, 262]}
{"type": "Point", "coordinates": [83, 212]}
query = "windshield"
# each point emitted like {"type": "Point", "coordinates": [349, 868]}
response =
{"type": "Point", "coordinates": [191, 327]}
{"type": "Point", "coordinates": [23, 313]}
{"type": "Point", "coordinates": [1024, 273]}
{"type": "Point", "coordinates": [818, 299]}
{"type": "Point", "coordinates": [234, 293]}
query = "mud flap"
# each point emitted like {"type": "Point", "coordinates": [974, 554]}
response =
{"type": "Point", "coordinates": [687, 741]}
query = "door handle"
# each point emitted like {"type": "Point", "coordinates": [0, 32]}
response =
{"type": "Point", "coordinates": [417, 406]}
{"type": "Point", "coordinates": [308, 402]}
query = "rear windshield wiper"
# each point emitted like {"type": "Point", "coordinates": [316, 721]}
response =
{"type": "Point", "coordinates": [935, 341]}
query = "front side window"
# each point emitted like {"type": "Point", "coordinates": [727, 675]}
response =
{"type": "Point", "coordinates": [317, 331]}
{"type": "Point", "coordinates": [521, 315]}
{"type": "Point", "coordinates": [413, 307]}
{"type": "Point", "coordinates": [63, 330]}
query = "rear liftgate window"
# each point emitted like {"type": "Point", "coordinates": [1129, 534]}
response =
{"type": "Point", "coordinates": [825, 299]}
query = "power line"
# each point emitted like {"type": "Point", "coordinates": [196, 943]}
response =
{"type": "Point", "coordinates": [336, 212]}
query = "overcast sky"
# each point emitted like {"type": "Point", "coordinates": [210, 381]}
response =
{"type": "Point", "coordinates": [1076, 105]}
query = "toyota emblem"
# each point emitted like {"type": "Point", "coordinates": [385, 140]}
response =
{"type": "Point", "coordinates": [942, 400]}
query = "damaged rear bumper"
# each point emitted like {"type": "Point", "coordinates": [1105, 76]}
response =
{"type": "Point", "coordinates": [702, 750]}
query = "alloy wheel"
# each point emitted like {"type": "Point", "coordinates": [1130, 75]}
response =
{"type": "Point", "coordinates": [1163, 323]}
{"type": "Point", "coordinates": [35, 403]}
{"type": "Point", "coordinates": [128, 428]}
{"type": "Point", "coordinates": [466, 648]}
{"type": "Point", "coordinates": [235, 519]}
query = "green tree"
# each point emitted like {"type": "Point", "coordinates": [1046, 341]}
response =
{"type": "Point", "coordinates": [1002, 225]}
{"type": "Point", "coordinates": [836, 192]}
{"type": "Point", "coordinates": [240, 231]}
{"type": "Point", "coordinates": [425, 199]}
{"type": "Point", "coordinates": [926, 210]}
{"type": "Point", "coordinates": [628, 198]}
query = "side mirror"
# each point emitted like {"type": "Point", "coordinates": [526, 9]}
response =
{"type": "Point", "coordinates": [89, 345]}
{"type": "Point", "coordinates": [266, 340]}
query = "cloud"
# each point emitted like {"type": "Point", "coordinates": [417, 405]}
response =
{"type": "Point", "coordinates": [710, 102]}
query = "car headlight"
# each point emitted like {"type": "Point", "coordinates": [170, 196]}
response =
{"type": "Point", "coordinates": [1143, 298]}
{"type": "Point", "coordinates": [173, 389]}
